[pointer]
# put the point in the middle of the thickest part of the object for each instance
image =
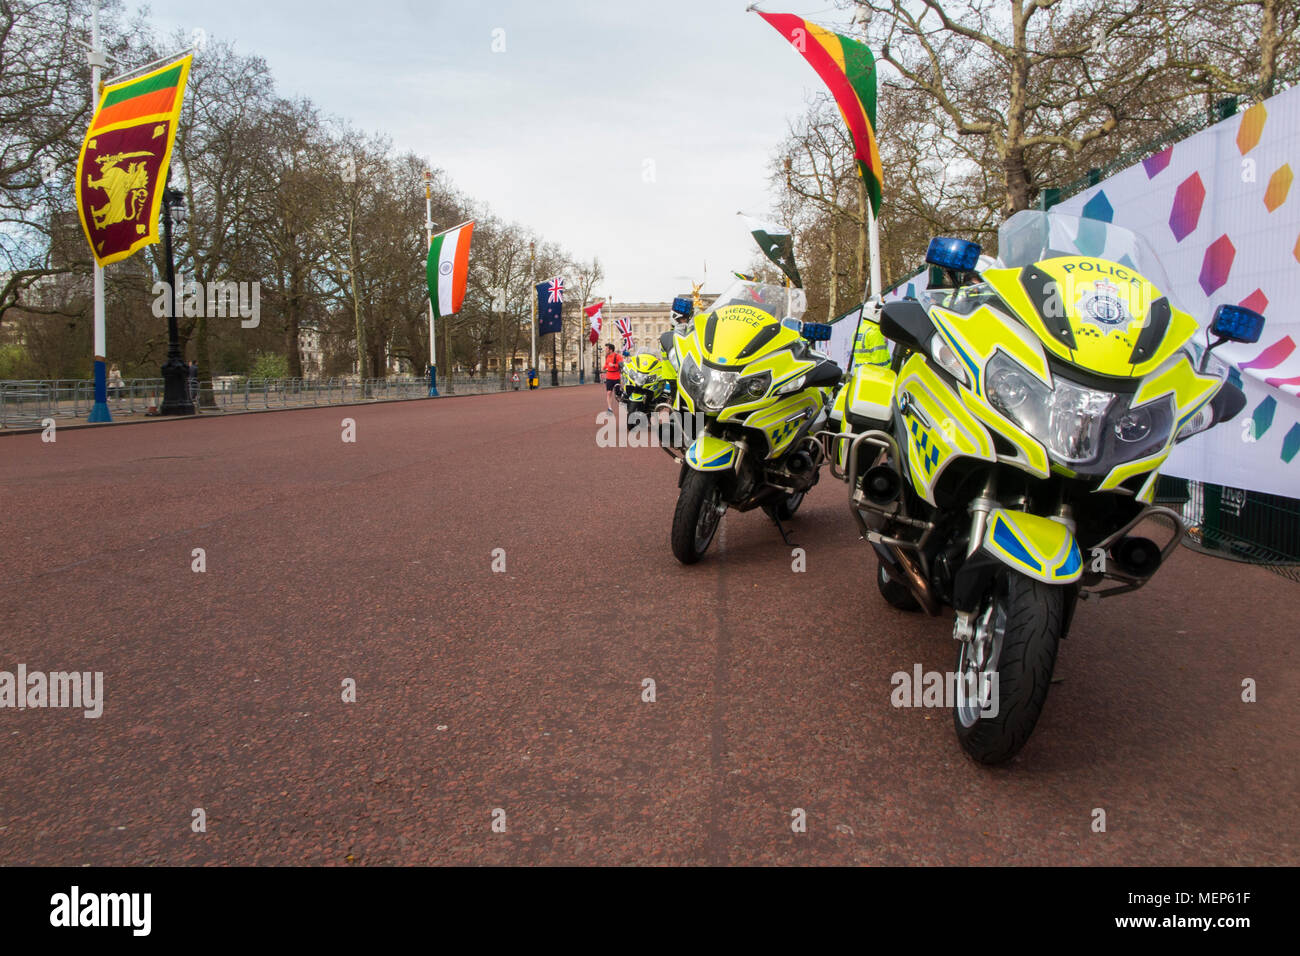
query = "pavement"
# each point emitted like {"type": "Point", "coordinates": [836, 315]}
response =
{"type": "Point", "coordinates": [515, 696]}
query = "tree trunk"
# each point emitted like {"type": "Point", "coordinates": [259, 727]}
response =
{"type": "Point", "coordinates": [1269, 42]}
{"type": "Point", "coordinates": [293, 324]}
{"type": "Point", "coordinates": [1013, 151]}
{"type": "Point", "coordinates": [362, 355]}
{"type": "Point", "coordinates": [1017, 182]}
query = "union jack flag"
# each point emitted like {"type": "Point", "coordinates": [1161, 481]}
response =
{"type": "Point", "coordinates": [624, 326]}
{"type": "Point", "coordinates": [557, 290]}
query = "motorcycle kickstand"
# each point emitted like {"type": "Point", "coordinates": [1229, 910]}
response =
{"type": "Point", "coordinates": [781, 528]}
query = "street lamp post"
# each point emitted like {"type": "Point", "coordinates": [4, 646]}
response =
{"type": "Point", "coordinates": [176, 378]}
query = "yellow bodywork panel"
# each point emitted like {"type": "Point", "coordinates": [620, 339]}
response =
{"type": "Point", "coordinates": [939, 426]}
{"type": "Point", "coordinates": [734, 328]}
{"type": "Point", "coordinates": [982, 332]}
{"type": "Point", "coordinates": [872, 392]}
{"type": "Point", "coordinates": [1096, 314]}
{"type": "Point", "coordinates": [708, 453]}
{"type": "Point", "coordinates": [780, 422]}
{"type": "Point", "coordinates": [1033, 545]}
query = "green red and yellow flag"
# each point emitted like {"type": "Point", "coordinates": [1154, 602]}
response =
{"type": "Point", "coordinates": [849, 70]}
{"type": "Point", "coordinates": [123, 164]}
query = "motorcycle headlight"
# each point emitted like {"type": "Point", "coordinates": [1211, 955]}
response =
{"type": "Point", "coordinates": [718, 388]}
{"type": "Point", "coordinates": [1086, 429]}
{"type": "Point", "coordinates": [754, 387]}
{"type": "Point", "coordinates": [691, 378]}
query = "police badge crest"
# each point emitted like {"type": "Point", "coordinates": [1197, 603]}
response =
{"type": "Point", "coordinates": [1103, 306]}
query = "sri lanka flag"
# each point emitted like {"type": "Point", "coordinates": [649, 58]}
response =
{"type": "Point", "coordinates": [448, 269]}
{"type": "Point", "coordinates": [550, 305]}
{"type": "Point", "coordinates": [849, 70]}
{"type": "Point", "coordinates": [122, 168]}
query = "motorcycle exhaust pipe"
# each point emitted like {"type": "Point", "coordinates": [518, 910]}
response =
{"type": "Point", "coordinates": [881, 485]}
{"type": "Point", "coordinates": [1139, 557]}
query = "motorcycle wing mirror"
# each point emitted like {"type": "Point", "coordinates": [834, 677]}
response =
{"type": "Point", "coordinates": [1233, 323]}
{"type": "Point", "coordinates": [956, 257]}
{"type": "Point", "coordinates": [907, 322]}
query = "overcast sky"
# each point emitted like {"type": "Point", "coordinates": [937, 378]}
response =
{"type": "Point", "coordinates": [632, 131]}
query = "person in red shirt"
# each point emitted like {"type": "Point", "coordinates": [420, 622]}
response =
{"type": "Point", "coordinates": [613, 370]}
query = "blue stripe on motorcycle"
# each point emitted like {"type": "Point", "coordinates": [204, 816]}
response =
{"type": "Point", "coordinates": [1006, 539]}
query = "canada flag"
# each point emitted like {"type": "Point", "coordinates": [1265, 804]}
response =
{"type": "Point", "coordinates": [596, 320]}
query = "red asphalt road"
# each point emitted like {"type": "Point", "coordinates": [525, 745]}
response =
{"type": "Point", "coordinates": [522, 690]}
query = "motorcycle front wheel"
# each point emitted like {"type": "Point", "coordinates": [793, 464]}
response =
{"type": "Point", "coordinates": [1005, 670]}
{"type": "Point", "coordinates": [699, 512]}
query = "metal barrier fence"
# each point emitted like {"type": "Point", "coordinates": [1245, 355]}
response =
{"type": "Point", "coordinates": [25, 404]}
{"type": "Point", "coordinates": [1248, 526]}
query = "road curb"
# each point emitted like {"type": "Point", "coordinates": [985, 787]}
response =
{"type": "Point", "coordinates": [213, 416]}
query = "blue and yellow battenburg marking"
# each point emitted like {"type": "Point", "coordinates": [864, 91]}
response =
{"type": "Point", "coordinates": [927, 448]}
{"type": "Point", "coordinates": [711, 454]}
{"type": "Point", "coordinates": [1039, 547]}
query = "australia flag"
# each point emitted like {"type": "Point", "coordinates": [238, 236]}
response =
{"type": "Point", "coordinates": [550, 305]}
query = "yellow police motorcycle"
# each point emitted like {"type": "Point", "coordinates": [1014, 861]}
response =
{"type": "Point", "coordinates": [1006, 461]}
{"type": "Point", "coordinates": [644, 383]}
{"type": "Point", "coordinates": [759, 393]}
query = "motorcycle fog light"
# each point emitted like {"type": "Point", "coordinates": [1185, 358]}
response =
{"type": "Point", "coordinates": [1134, 425]}
{"type": "Point", "coordinates": [756, 388]}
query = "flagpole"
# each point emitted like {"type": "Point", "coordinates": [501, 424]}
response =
{"type": "Point", "coordinates": [428, 230]}
{"type": "Point", "coordinates": [532, 271]}
{"type": "Point", "coordinates": [99, 410]}
{"type": "Point", "coordinates": [873, 241]}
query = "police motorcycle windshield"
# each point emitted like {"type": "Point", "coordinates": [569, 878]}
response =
{"type": "Point", "coordinates": [1033, 236]}
{"type": "Point", "coordinates": [773, 299]}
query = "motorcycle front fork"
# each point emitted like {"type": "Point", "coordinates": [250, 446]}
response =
{"type": "Point", "coordinates": [963, 628]}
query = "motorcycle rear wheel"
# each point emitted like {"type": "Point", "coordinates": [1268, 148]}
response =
{"type": "Point", "coordinates": [698, 515]}
{"type": "Point", "coordinates": [1016, 637]}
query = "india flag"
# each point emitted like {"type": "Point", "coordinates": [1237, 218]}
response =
{"type": "Point", "coordinates": [448, 269]}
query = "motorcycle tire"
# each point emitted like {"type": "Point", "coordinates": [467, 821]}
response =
{"type": "Point", "coordinates": [637, 417]}
{"type": "Point", "coordinates": [894, 591]}
{"type": "Point", "coordinates": [784, 508]}
{"type": "Point", "coordinates": [1025, 625]}
{"type": "Point", "coordinates": [697, 517]}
